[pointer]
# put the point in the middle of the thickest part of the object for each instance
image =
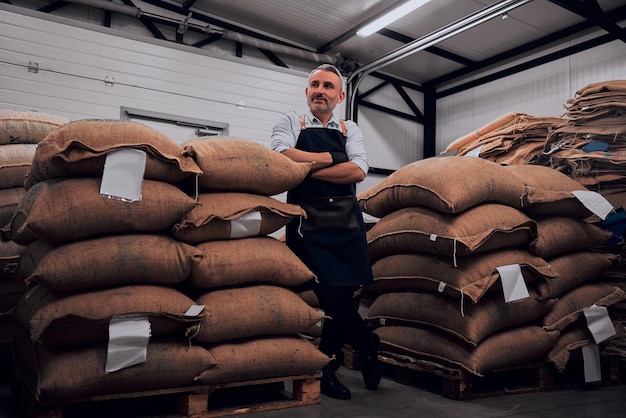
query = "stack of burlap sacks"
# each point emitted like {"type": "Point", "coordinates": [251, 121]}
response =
{"type": "Point", "coordinates": [512, 138]}
{"type": "Point", "coordinates": [20, 132]}
{"type": "Point", "coordinates": [586, 144]}
{"type": "Point", "coordinates": [448, 226]}
{"type": "Point", "coordinates": [91, 260]}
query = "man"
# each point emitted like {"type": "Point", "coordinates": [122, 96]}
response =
{"type": "Point", "coordinates": [331, 240]}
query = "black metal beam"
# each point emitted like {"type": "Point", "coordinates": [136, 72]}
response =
{"type": "Point", "coordinates": [615, 15]}
{"type": "Point", "coordinates": [393, 112]}
{"type": "Point", "coordinates": [272, 57]}
{"type": "Point", "coordinates": [591, 10]}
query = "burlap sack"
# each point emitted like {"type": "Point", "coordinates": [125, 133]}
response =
{"type": "Point", "coordinates": [218, 213]}
{"type": "Point", "coordinates": [239, 165]}
{"type": "Point", "coordinates": [83, 318]}
{"type": "Point", "coordinates": [15, 161]}
{"type": "Point", "coordinates": [79, 372]}
{"type": "Point", "coordinates": [263, 358]}
{"type": "Point", "coordinates": [472, 326]}
{"type": "Point", "coordinates": [10, 254]}
{"type": "Point", "coordinates": [79, 149]}
{"type": "Point", "coordinates": [479, 229]}
{"type": "Point", "coordinates": [108, 261]}
{"type": "Point", "coordinates": [574, 338]}
{"type": "Point", "coordinates": [445, 184]}
{"type": "Point", "coordinates": [499, 351]}
{"type": "Point", "coordinates": [27, 127]}
{"type": "Point", "coordinates": [571, 270]}
{"type": "Point", "coordinates": [564, 234]}
{"type": "Point", "coordinates": [569, 307]}
{"type": "Point", "coordinates": [549, 192]}
{"type": "Point", "coordinates": [473, 277]}
{"type": "Point", "coordinates": [255, 260]}
{"type": "Point", "coordinates": [602, 86]}
{"type": "Point", "coordinates": [72, 209]}
{"type": "Point", "coordinates": [250, 312]}
{"type": "Point", "coordinates": [9, 200]}
{"type": "Point", "coordinates": [11, 290]}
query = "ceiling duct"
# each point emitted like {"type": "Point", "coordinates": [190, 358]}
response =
{"type": "Point", "coordinates": [424, 42]}
{"type": "Point", "coordinates": [111, 7]}
{"type": "Point", "coordinates": [280, 49]}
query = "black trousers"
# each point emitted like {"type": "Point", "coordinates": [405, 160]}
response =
{"type": "Point", "coordinates": [343, 323]}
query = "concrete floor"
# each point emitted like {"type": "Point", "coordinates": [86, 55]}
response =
{"type": "Point", "coordinates": [390, 400]}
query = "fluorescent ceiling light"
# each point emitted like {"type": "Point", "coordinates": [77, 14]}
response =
{"type": "Point", "coordinates": [390, 17]}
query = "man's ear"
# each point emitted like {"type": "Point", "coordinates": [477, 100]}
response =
{"type": "Point", "coordinates": [341, 97]}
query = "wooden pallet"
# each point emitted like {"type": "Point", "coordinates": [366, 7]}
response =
{"type": "Point", "coordinates": [201, 401]}
{"type": "Point", "coordinates": [457, 383]}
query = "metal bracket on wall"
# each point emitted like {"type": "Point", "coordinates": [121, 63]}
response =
{"type": "Point", "coordinates": [33, 67]}
{"type": "Point", "coordinates": [109, 81]}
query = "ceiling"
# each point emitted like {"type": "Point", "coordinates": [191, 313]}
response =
{"type": "Point", "coordinates": [438, 43]}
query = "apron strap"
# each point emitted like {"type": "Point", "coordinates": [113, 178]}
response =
{"type": "Point", "coordinates": [344, 129]}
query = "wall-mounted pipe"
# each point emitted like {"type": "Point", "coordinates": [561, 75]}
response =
{"type": "Point", "coordinates": [481, 16]}
{"type": "Point", "coordinates": [226, 34]}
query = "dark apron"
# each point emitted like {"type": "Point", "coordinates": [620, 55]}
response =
{"type": "Point", "coordinates": [332, 240]}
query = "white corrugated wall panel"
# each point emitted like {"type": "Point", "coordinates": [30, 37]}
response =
{"type": "Point", "coordinates": [74, 64]}
{"type": "Point", "coordinates": [540, 91]}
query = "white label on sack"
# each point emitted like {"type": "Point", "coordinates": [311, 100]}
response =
{"type": "Point", "coordinates": [475, 152]}
{"type": "Point", "coordinates": [128, 341]}
{"type": "Point", "coordinates": [599, 323]}
{"type": "Point", "coordinates": [194, 310]}
{"type": "Point", "coordinates": [433, 237]}
{"type": "Point", "coordinates": [248, 225]}
{"type": "Point", "coordinates": [123, 174]}
{"type": "Point", "coordinates": [591, 363]}
{"type": "Point", "coordinates": [595, 202]}
{"type": "Point", "coordinates": [441, 287]}
{"type": "Point", "coordinates": [513, 284]}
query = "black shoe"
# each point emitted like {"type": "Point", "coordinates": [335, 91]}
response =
{"type": "Point", "coordinates": [370, 365]}
{"type": "Point", "coordinates": [330, 385]}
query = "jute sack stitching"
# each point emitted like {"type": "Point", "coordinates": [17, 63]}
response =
{"type": "Point", "coordinates": [476, 323]}
{"type": "Point", "coordinates": [570, 305]}
{"type": "Point", "coordinates": [445, 184]}
{"type": "Point", "coordinates": [79, 372]}
{"type": "Point", "coordinates": [263, 358]}
{"type": "Point", "coordinates": [108, 261]}
{"type": "Point", "coordinates": [548, 191]}
{"type": "Point", "coordinates": [27, 127]}
{"type": "Point", "coordinates": [481, 228]}
{"type": "Point", "coordinates": [80, 148]}
{"type": "Point", "coordinates": [572, 270]}
{"type": "Point", "coordinates": [83, 318]}
{"type": "Point", "coordinates": [72, 209]}
{"type": "Point", "coordinates": [250, 312]}
{"type": "Point", "coordinates": [473, 277]}
{"type": "Point", "coordinates": [239, 165]}
{"type": "Point", "coordinates": [213, 218]}
{"type": "Point", "coordinates": [501, 350]}
{"type": "Point", "coordinates": [255, 260]}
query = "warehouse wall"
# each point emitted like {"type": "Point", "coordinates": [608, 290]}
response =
{"type": "Point", "coordinates": [75, 62]}
{"type": "Point", "coordinates": [87, 74]}
{"type": "Point", "coordinates": [541, 91]}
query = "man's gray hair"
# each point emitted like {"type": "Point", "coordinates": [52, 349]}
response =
{"type": "Point", "coordinates": [330, 68]}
